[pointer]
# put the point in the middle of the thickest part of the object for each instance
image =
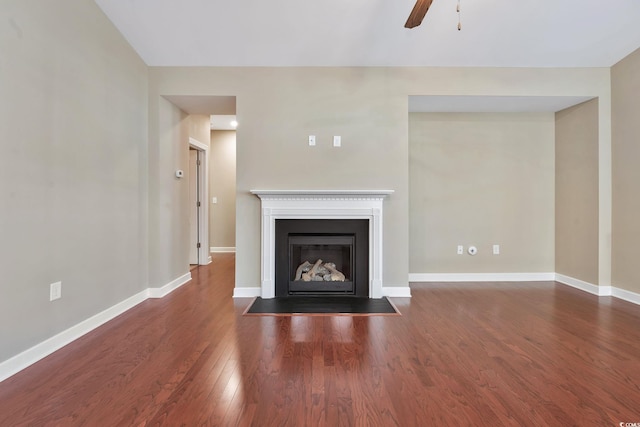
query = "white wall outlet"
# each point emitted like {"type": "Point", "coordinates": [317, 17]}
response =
{"type": "Point", "coordinates": [496, 249]}
{"type": "Point", "coordinates": [337, 141]}
{"type": "Point", "coordinates": [460, 249]}
{"type": "Point", "coordinates": [55, 291]}
{"type": "Point", "coordinates": [312, 140]}
{"type": "Point", "coordinates": [214, 200]}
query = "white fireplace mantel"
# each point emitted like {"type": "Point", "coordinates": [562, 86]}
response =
{"type": "Point", "coordinates": [321, 204]}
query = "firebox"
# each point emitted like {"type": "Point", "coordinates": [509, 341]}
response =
{"type": "Point", "coordinates": [322, 257]}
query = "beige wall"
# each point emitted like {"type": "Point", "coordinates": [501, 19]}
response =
{"type": "Point", "coordinates": [625, 83]}
{"type": "Point", "coordinates": [577, 192]}
{"type": "Point", "coordinates": [280, 107]}
{"type": "Point", "coordinates": [481, 179]}
{"type": "Point", "coordinates": [222, 185]}
{"type": "Point", "coordinates": [73, 168]}
{"type": "Point", "coordinates": [169, 217]}
{"type": "Point", "coordinates": [168, 195]}
{"type": "Point", "coordinates": [200, 128]}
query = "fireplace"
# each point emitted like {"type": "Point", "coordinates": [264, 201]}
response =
{"type": "Point", "coordinates": [366, 205]}
{"type": "Point", "coordinates": [321, 257]}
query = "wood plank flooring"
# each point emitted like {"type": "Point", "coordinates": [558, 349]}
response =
{"type": "Point", "coordinates": [535, 354]}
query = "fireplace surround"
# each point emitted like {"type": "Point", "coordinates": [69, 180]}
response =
{"type": "Point", "coordinates": [321, 204]}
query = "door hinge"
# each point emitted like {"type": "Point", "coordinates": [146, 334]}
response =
{"type": "Point", "coordinates": [198, 162]}
{"type": "Point", "coordinates": [198, 204]}
{"type": "Point", "coordinates": [198, 245]}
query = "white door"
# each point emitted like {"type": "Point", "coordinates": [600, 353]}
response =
{"type": "Point", "coordinates": [193, 206]}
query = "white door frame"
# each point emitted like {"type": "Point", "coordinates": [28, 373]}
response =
{"type": "Point", "coordinates": [194, 214]}
{"type": "Point", "coordinates": [204, 257]}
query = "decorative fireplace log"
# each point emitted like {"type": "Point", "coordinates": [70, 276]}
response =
{"type": "Point", "coordinates": [336, 276]}
{"type": "Point", "coordinates": [307, 277]}
{"type": "Point", "coordinates": [305, 266]}
{"type": "Point", "coordinates": [318, 272]}
{"type": "Point", "coordinates": [322, 271]}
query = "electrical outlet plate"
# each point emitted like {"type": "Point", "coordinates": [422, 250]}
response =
{"type": "Point", "coordinates": [312, 140]}
{"type": "Point", "coordinates": [460, 249]}
{"type": "Point", "coordinates": [337, 141]}
{"type": "Point", "coordinates": [496, 249]}
{"type": "Point", "coordinates": [55, 291]}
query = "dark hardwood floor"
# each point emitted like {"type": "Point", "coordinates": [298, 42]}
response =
{"type": "Point", "coordinates": [536, 354]}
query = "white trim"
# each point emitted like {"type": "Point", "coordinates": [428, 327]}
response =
{"type": "Point", "coordinates": [626, 295]}
{"type": "Point", "coordinates": [41, 350]}
{"type": "Point", "coordinates": [396, 291]}
{"type": "Point", "coordinates": [584, 286]}
{"type": "Point", "coordinates": [321, 194]}
{"type": "Point", "coordinates": [203, 196]}
{"type": "Point", "coordinates": [169, 287]}
{"type": "Point", "coordinates": [246, 292]}
{"type": "Point", "coordinates": [197, 144]}
{"type": "Point", "coordinates": [320, 204]}
{"type": "Point", "coordinates": [601, 291]}
{"type": "Point", "coordinates": [605, 291]}
{"type": "Point", "coordinates": [222, 249]}
{"type": "Point", "coordinates": [481, 277]}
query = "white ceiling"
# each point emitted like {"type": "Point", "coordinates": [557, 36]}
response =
{"type": "Point", "coordinates": [197, 104]}
{"type": "Point", "coordinates": [495, 33]}
{"type": "Point", "coordinates": [222, 122]}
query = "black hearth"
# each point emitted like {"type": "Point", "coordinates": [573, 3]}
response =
{"type": "Point", "coordinates": [322, 257]}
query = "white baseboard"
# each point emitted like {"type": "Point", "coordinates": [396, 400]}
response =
{"type": "Point", "coordinates": [601, 291]}
{"type": "Point", "coordinates": [247, 292]}
{"type": "Point", "coordinates": [481, 277]}
{"type": "Point", "coordinates": [626, 295]}
{"type": "Point", "coordinates": [169, 287]}
{"type": "Point", "coordinates": [222, 249]}
{"type": "Point", "coordinates": [584, 286]}
{"type": "Point", "coordinates": [39, 351]}
{"type": "Point", "coordinates": [396, 291]}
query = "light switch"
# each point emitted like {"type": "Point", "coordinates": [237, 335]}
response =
{"type": "Point", "coordinates": [337, 141]}
{"type": "Point", "coordinates": [214, 200]}
{"type": "Point", "coordinates": [312, 140]}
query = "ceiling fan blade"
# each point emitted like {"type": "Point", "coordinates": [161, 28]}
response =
{"type": "Point", "coordinates": [417, 14]}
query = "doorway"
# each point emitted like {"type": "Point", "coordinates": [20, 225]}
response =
{"type": "Point", "coordinates": [198, 208]}
{"type": "Point", "coordinates": [210, 198]}
{"type": "Point", "coordinates": [194, 217]}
